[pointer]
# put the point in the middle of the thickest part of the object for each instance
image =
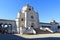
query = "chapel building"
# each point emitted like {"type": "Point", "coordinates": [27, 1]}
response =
{"type": "Point", "coordinates": [27, 21]}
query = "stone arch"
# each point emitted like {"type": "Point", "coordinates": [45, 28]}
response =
{"type": "Point", "coordinates": [1, 30]}
{"type": "Point", "coordinates": [10, 27]}
{"type": "Point", "coordinates": [4, 28]}
{"type": "Point", "coordinates": [1, 25]}
{"type": "Point", "coordinates": [5, 25]}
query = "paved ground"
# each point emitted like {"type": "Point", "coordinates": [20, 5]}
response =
{"type": "Point", "coordinates": [39, 35]}
{"type": "Point", "coordinates": [30, 37]}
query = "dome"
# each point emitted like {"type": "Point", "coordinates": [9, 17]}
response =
{"type": "Point", "coordinates": [52, 21]}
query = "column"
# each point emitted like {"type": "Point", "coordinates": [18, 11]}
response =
{"type": "Point", "coordinates": [25, 19]}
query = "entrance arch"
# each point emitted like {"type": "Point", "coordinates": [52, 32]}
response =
{"type": "Point", "coordinates": [32, 25]}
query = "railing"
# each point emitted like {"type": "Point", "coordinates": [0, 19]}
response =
{"type": "Point", "coordinates": [47, 29]}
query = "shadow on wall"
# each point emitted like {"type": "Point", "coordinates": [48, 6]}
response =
{"type": "Point", "coordinates": [15, 37]}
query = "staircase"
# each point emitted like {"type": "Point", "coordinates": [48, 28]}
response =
{"type": "Point", "coordinates": [29, 30]}
{"type": "Point", "coordinates": [43, 31]}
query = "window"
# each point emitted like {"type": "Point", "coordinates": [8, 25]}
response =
{"type": "Point", "coordinates": [22, 19]}
{"type": "Point", "coordinates": [32, 17]}
{"type": "Point", "coordinates": [58, 27]}
{"type": "Point", "coordinates": [30, 9]}
{"type": "Point", "coordinates": [32, 26]}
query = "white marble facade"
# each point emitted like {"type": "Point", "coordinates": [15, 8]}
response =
{"type": "Point", "coordinates": [27, 21]}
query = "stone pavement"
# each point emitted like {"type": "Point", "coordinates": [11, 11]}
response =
{"type": "Point", "coordinates": [30, 37]}
{"type": "Point", "coordinates": [39, 35]}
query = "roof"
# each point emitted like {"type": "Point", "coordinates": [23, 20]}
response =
{"type": "Point", "coordinates": [7, 20]}
{"type": "Point", "coordinates": [44, 23]}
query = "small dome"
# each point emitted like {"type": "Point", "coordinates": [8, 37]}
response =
{"type": "Point", "coordinates": [53, 21]}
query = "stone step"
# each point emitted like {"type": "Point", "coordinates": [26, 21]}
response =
{"type": "Point", "coordinates": [39, 31]}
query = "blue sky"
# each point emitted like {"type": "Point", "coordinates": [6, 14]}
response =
{"type": "Point", "coordinates": [47, 9]}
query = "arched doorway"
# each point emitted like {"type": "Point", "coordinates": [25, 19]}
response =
{"type": "Point", "coordinates": [32, 25]}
